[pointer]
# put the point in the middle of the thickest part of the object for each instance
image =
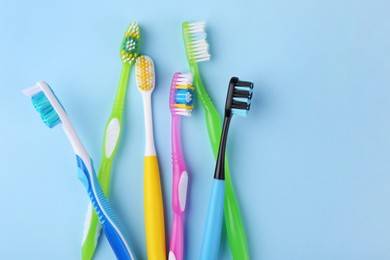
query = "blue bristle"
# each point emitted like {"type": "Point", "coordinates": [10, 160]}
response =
{"type": "Point", "coordinates": [241, 99]}
{"type": "Point", "coordinates": [250, 90]}
{"type": "Point", "coordinates": [240, 112]}
{"type": "Point", "coordinates": [42, 104]}
{"type": "Point", "coordinates": [184, 96]}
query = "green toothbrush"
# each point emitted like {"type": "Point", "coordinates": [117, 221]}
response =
{"type": "Point", "coordinates": [197, 51]}
{"type": "Point", "coordinates": [128, 53]}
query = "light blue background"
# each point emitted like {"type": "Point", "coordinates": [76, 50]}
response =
{"type": "Point", "coordinates": [311, 163]}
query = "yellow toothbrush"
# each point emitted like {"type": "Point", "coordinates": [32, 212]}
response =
{"type": "Point", "coordinates": [153, 203]}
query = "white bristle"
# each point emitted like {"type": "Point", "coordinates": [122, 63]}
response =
{"type": "Point", "coordinates": [199, 45]}
{"type": "Point", "coordinates": [184, 79]}
{"type": "Point", "coordinates": [31, 91]}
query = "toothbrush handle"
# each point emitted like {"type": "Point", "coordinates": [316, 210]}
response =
{"type": "Point", "coordinates": [111, 139]}
{"type": "Point", "coordinates": [154, 213]}
{"type": "Point", "coordinates": [233, 220]}
{"type": "Point", "coordinates": [103, 210]}
{"type": "Point", "coordinates": [92, 226]}
{"type": "Point", "coordinates": [213, 227]}
{"type": "Point", "coordinates": [176, 248]}
{"type": "Point", "coordinates": [179, 197]}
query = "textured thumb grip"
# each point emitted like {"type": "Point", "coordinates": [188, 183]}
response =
{"type": "Point", "coordinates": [92, 226]}
{"type": "Point", "coordinates": [154, 213]}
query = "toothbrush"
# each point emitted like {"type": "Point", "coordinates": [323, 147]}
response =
{"type": "Point", "coordinates": [181, 104]}
{"type": "Point", "coordinates": [52, 114]}
{"type": "Point", "coordinates": [128, 53]}
{"type": "Point", "coordinates": [153, 203]}
{"type": "Point", "coordinates": [238, 102]}
{"type": "Point", "coordinates": [197, 50]}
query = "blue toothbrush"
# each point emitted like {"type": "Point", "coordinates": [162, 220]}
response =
{"type": "Point", "coordinates": [238, 102]}
{"type": "Point", "coordinates": [52, 114]}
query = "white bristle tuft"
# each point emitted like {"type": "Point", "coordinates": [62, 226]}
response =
{"type": "Point", "coordinates": [199, 48]}
{"type": "Point", "coordinates": [184, 79]}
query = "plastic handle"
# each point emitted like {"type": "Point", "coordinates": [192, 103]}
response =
{"type": "Point", "coordinates": [154, 213]}
{"type": "Point", "coordinates": [233, 220]}
{"type": "Point", "coordinates": [179, 193]}
{"type": "Point", "coordinates": [179, 197]}
{"type": "Point", "coordinates": [110, 144]}
{"type": "Point", "coordinates": [92, 226]}
{"type": "Point", "coordinates": [213, 227]}
{"type": "Point", "coordinates": [176, 248]}
{"type": "Point", "coordinates": [104, 211]}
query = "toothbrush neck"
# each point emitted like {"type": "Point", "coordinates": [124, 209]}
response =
{"type": "Point", "coordinates": [149, 139]}
{"type": "Point", "coordinates": [199, 87]}
{"type": "Point", "coordinates": [77, 145]}
{"type": "Point", "coordinates": [177, 158]}
{"type": "Point", "coordinates": [122, 87]}
{"type": "Point", "coordinates": [220, 165]}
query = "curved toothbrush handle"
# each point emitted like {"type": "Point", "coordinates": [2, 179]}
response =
{"type": "Point", "coordinates": [176, 248]}
{"type": "Point", "coordinates": [213, 227]}
{"type": "Point", "coordinates": [233, 220]}
{"type": "Point", "coordinates": [154, 212]}
{"type": "Point", "coordinates": [103, 210]}
{"type": "Point", "coordinates": [92, 226]}
{"type": "Point", "coordinates": [91, 233]}
{"type": "Point", "coordinates": [179, 197]}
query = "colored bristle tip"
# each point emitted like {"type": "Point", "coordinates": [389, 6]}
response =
{"type": "Point", "coordinates": [42, 104]}
{"type": "Point", "coordinates": [239, 97]}
{"type": "Point", "coordinates": [196, 45]}
{"type": "Point", "coordinates": [144, 72]}
{"type": "Point", "coordinates": [181, 99]}
{"type": "Point", "coordinates": [240, 112]}
{"type": "Point", "coordinates": [130, 44]}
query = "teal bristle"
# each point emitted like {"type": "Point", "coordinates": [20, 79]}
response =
{"type": "Point", "coordinates": [241, 99]}
{"type": "Point", "coordinates": [240, 112]}
{"type": "Point", "coordinates": [42, 104]}
{"type": "Point", "coordinates": [241, 102]}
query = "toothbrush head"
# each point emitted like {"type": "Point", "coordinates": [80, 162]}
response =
{"type": "Point", "coordinates": [144, 73]}
{"type": "Point", "coordinates": [46, 103]}
{"type": "Point", "coordinates": [181, 96]}
{"type": "Point", "coordinates": [238, 100]}
{"type": "Point", "coordinates": [130, 44]}
{"type": "Point", "coordinates": [197, 48]}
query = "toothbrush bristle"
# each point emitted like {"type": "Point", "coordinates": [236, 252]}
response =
{"type": "Point", "coordinates": [239, 97]}
{"type": "Point", "coordinates": [42, 104]}
{"type": "Point", "coordinates": [196, 45]}
{"type": "Point", "coordinates": [144, 73]}
{"type": "Point", "coordinates": [181, 95]}
{"type": "Point", "coordinates": [241, 103]}
{"type": "Point", "coordinates": [130, 44]}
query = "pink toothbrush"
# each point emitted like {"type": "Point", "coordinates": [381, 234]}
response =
{"type": "Point", "coordinates": [180, 103]}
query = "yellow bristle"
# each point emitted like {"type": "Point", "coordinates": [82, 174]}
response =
{"type": "Point", "coordinates": [144, 73]}
{"type": "Point", "coordinates": [185, 87]}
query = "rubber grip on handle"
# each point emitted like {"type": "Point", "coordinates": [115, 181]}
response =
{"type": "Point", "coordinates": [154, 212]}
{"type": "Point", "coordinates": [104, 211]}
{"type": "Point", "coordinates": [92, 226]}
{"type": "Point", "coordinates": [213, 227]}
